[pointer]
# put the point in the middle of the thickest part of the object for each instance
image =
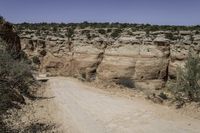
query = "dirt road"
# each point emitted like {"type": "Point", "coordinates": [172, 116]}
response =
{"type": "Point", "coordinates": [82, 109]}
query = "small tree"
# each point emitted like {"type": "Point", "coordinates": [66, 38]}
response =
{"type": "Point", "coordinates": [170, 36]}
{"type": "Point", "coordinates": [55, 29]}
{"type": "Point", "coordinates": [116, 33]}
{"type": "Point", "coordinates": [102, 31]}
{"type": "Point", "coordinates": [187, 86]}
{"type": "Point", "coordinates": [70, 33]}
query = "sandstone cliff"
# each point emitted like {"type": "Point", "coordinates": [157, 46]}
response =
{"type": "Point", "coordinates": [139, 59]}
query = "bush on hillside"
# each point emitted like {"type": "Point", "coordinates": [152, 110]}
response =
{"type": "Point", "coordinates": [109, 30]}
{"type": "Point", "coordinates": [102, 31]}
{"type": "Point", "coordinates": [70, 33]}
{"type": "Point", "coordinates": [187, 84]}
{"type": "Point", "coordinates": [169, 36]}
{"type": "Point", "coordinates": [15, 79]}
{"type": "Point", "coordinates": [116, 33]}
{"type": "Point", "coordinates": [136, 27]}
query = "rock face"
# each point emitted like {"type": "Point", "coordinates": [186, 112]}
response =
{"type": "Point", "coordinates": [137, 60]}
{"type": "Point", "coordinates": [11, 38]}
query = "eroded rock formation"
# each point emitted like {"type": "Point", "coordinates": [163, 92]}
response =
{"type": "Point", "coordinates": [138, 60]}
{"type": "Point", "coordinates": [11, 38]}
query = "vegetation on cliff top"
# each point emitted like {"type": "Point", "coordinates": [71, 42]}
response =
{"type": "Point", "coordinates": [133, 26]}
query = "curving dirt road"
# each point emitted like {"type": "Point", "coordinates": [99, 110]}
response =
{"type": "Point", "coordinates": [82, 109]}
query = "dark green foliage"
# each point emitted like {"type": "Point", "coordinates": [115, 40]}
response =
{"type": "Point", "coordinates": [15, 81]}
{"type": "Point", "coordinates": [87, 33]}
{"type": "Point", "coordinates": [89, 36]}
{"type": "Point", "coordinates": [147, 33]}
{"type": "Point", "coordinates": [116, 33]}
{"type": "Point", "coordinates": [93, 36]}
{"type": "Point", "coordinates": [43, 53]}
{"type": "Point", "coordinates": [135, 27]}
{"type": "Point", "coordinates": [14, 74]}
{"type": "Point", "coordinates": [130, 33]}
{"type": "Point", "coordinates": [102, 31]}
{"type": "Point", "coordinates": [125, 81]}
{"type": "Point", "coordinates": [55, 29]}
{"type": "Point", "coordinates": [197, 32]}
{"type": "Point", "coordinates": [37, 33]}
{"type": "Point", "coordinates": [109, 30]}
{"type": "Point", "coordinates": [36, 60]}
{"type": "Point", "coordinates": [39, 127]}
{"type": "Point", "coordinates": [187, 86]}
{"type": "Point", "coordinates": [70, 32]}
{"type": "Point", "coordinates": [170, 36]}
{"type": "Point", "coordinates": [84, 32]}
{"type": "Point", "coordinates": [163, 96]}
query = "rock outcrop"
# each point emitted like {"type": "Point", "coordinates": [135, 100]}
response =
{"type": "Point", "coordinates": [138, 60]}
{"type": "Point", "coordinates": [11, 38]}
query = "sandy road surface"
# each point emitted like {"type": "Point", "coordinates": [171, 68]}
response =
{"type": "Point", "coordinates": [83, 109]}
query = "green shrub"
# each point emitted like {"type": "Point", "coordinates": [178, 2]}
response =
{"type": "Point", "coordinates": [38, 33]}
{"type": "Point", "coordinates": [36, 60]}
{"type": "Point", "coordinates": [43, 52]}
{"type": "Point", "coordinates": [109, 30]}
{"type": "Point", "coordinates": [70, 32]}
{"type": "Point", "coordinates": [93, 36]}
{"type": "Point", "coordinates": [84, 32]}
{"type": "Point", "coordinates": [15, 82]}
{"type": "Point", "coordinates": [102, 31]}
{"type": "Point", "coordinates": [130, 33]}
{"type": "Point", "coordinates": [116, 33]}
{"type": "Point", "coordinates": [15, 79]}
{"type": "Point", "coordinates": [88, 36]}
{"type": "Point", "coordinates": [197, 32]}
{"type": "Point", "coordinates": [147, 33]}
{"type": "Point", "coordinates": [136, 27]}
{"type": "Point", "coordinates": [187, 84]}
{"type": "Point", "coordinates": [170, 36]}
{"type": "Point", "coordinates": [55, 29]}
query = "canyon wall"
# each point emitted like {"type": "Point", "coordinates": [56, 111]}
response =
{"type": "Point", "coordinates": [141, 60]}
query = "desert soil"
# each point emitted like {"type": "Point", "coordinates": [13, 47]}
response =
{"type": "Point", "coordinates": [83, 109]}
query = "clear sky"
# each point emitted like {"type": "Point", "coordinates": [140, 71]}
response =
{"type": "Point", "coordinates": [173, 12]}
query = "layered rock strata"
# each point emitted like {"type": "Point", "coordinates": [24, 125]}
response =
{"type": "Point", "coordinates": [138, 60]}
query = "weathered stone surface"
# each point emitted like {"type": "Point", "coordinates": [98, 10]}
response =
{"type": "Point", "coordinates": [11, 38]}
{"type": "Point", "coordinates": [113, 67]}
{"type": "Point", "coordinates": [148, 69]}
{"type": "Point", "coordinates": [137, 60]}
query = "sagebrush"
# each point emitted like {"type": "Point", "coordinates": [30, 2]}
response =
{"type": "Point", "coordinates": [186, 87]}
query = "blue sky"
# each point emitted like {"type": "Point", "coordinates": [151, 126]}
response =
{"type": "Point", "coordinates": [173, 12]}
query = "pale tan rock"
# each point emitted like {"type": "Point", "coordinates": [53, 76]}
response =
{"type": "Point", "coordinates": [148, 69]}
{"type": "Point", "coordinates": [139, 60]}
